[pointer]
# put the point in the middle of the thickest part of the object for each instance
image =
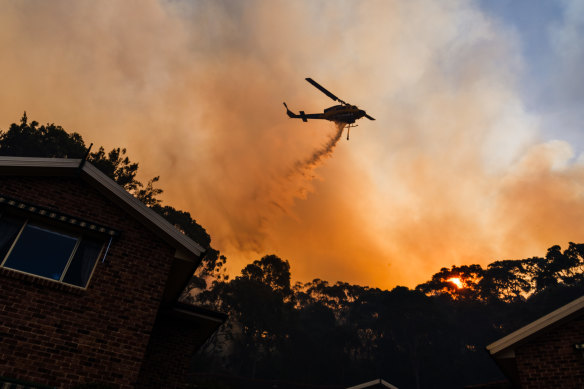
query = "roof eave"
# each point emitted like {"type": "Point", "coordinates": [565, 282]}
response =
{"type": "Point", "coordinates": [186, 246]}
{"type": "Point", "coordinates": [556, 317]}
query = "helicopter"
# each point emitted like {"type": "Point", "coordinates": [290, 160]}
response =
{"type": "Point", "coordinates": [344, 113]}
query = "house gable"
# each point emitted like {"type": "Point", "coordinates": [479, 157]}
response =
{"type": "Point", "coordinates": [70, 334]}
{"type": "Point", "coordinates": [61, 335]}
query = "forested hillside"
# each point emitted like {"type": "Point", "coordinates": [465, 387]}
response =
{"type": "Point", "coordinates": [431, 337]}
{"type": "Point", "coordinates": [338, 334]}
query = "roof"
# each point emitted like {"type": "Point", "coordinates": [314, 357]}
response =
{"type": "Point", "coordinates": [503, 350]}
{"type": "Point", "coordinates": [186, 248]}
{"type": "Point", "coordinates": [551, 319]}
{"type": "Point", "coordinates": [375, 383]}
{"type": "Point", "coordinates": [201, 321]}
{"type": "Point", "coordinates": [188, 310]}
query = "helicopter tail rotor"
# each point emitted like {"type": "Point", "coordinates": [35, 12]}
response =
{"type": "Point", "coordinates": [295, 116]}
{"type": "Point", "coordinates": [290, 113]}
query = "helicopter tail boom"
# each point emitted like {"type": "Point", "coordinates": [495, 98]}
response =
{"type": "Point", "coordinates": [295, 116]}
{"type": "Point", "coordinates": [304, 116]}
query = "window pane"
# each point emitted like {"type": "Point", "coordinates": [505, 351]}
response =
{"type": "Point", "coordinates": [83, 262]}
{"type": "Point", "coordinates": [9, 228]}
{"type": "Point", "coordinates": [41, 252]}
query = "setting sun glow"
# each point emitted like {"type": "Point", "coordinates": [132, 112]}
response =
{"type": "Point", "coordinates": [456, 281]}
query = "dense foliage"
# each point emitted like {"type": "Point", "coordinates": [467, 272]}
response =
{"type": "Point", "coordinates": [431, 337]}
{"type": "Point", "coordinates": [339, 334]}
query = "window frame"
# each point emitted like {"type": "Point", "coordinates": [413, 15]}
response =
{"type": "Point", "coordinates": [53, 228]}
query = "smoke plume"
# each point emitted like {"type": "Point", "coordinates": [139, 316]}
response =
{"type": "Point", "coordinates": [309, 164]}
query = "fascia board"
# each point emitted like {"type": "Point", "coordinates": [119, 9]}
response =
{"type": "Point", "coordinates": [200, 316]}
{"type": "Point", "coordinates": [365, 384]}
{"type": "Point", "coordinates": [143, 211]}
{"type": "Point", "coordinates": [44, 166]}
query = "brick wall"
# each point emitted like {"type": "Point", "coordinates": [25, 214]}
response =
{"type": "Point", "coordinates": [59, 335]}
{"type": "Point", "coordinates": [550, 360]}
{"type": "Point", "coordinates": [167, 361]}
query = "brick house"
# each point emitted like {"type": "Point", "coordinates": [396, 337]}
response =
{"type": "Point", "coordinates": [547, 353]}
{"type": "Point", "coordinates": [90, 280]}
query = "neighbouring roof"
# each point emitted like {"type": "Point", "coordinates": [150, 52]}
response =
{"type": "Point", "coordinates": [186, 248]}
{"type": "Point", "coordinates": [191, 311]}
{"type": "Point", "coordinates": [202, 321]}
{"type": "Point", "coordinates": [378, 383]}
{"type": "Point", "coordinates": [503, 350]}
{"type": "Point", "coordinates": [551, 319]}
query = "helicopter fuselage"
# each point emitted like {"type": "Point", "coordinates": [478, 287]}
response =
{"type": "Point", "coordinates": [346, 114]}
{"type": "Point", "coordinates": [343, 114]}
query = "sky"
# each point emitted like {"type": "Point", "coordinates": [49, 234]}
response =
{"type": "Point", "coordinates": [475, 156]}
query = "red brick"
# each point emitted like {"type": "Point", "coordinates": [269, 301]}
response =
{"type": "Point", "coordinates": [60, 335]}
{"type": "Point", "coordinates": [550, 359]}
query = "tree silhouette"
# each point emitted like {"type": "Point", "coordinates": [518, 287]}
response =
{"type": "Point", "coordinates": [52, 141]}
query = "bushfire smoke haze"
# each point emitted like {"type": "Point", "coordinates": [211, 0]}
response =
{"type": "Point", "coordinates": [474, 156]}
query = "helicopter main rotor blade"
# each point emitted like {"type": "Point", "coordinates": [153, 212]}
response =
{"type": "Point", "coordinates": [369, 117]}
{"type": "Point", "coordinates": [323, 90]}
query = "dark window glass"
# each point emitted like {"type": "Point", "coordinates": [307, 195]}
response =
{"type": "Point", "coordinates": [42, 252]}
{"type": "Point", "coordinates": [9, 228]}
{"type": "Point", "coordinates": [47, 253]}
{"type": "Point", "coordinates": [83, 262]}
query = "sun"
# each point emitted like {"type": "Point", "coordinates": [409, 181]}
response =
{"type": "Point", "coordinates": [456, 281]}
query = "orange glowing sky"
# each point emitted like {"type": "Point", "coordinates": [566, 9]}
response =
{"type": "Point", "coordinates": [460, 166]}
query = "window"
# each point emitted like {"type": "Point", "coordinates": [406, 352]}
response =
{"type": "Point", "coordinates": [34, 248]}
